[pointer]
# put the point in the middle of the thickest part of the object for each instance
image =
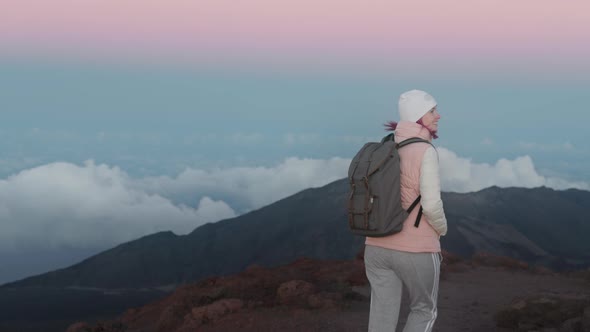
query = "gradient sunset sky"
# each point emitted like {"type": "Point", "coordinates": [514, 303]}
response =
{"type": "Point", "coordinates": [124, 118]}
{"type": "Point", "coordinates": [436, 35]}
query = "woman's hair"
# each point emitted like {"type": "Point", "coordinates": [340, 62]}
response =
{"type": "Point", "coordinates": [390, 126]}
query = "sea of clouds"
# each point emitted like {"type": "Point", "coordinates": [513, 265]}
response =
{"type": "Point", "coordinates": [97, 206]}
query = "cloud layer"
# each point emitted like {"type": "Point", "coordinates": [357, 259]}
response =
{"type": "Point", "coordinates": [94, 206]}
{"type": "Point", "coordinates": [91, 206]}
{"type": "Point", "coordinates": [64, 206]}
{"type": "Point", "coordinates": [86, 206]}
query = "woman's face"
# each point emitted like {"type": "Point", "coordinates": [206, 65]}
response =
{"type": "Point", "coordinates": [430, 119]}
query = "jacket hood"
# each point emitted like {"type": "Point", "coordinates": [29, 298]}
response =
{"type": "Point", "coordinates": [406, 129]}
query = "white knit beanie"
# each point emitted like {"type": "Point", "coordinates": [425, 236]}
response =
{"type": "Point", "coordinates": [413, 104]}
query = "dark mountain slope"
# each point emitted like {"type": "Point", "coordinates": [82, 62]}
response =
{"type": "Point", "coordinates": [538, 225]}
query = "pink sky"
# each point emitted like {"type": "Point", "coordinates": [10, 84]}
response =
{"type": "Point", "coordinates": [539, 32]}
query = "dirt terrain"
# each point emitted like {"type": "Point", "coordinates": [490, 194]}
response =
{"type": "Point", "coordinates": [485, 293]}
{"type": "Point", "coordinates": [468, 301]}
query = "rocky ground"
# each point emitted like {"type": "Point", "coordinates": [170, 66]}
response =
{"type": "Point", "coordinates": [486, 293]}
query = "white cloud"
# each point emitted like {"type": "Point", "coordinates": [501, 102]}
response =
{"type": "Point", "coordinates": [252, 187]}
{"type": "Point", "coordinates": [91, 206]}
{"type": "Point", "coordinates": [462, 175]}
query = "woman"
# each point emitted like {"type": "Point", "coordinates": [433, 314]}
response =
{"type": "Point", "coordinates": [411, 257]}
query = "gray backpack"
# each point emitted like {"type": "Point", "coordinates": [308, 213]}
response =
{"type": "Point", "coordinates": [374, 205]}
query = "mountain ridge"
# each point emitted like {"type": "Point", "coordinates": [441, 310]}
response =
{"type": "Point", "coordinates": [515, 222]}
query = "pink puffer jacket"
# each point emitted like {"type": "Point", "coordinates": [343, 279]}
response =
{"type": "Point", "coordinates": [424, 238]}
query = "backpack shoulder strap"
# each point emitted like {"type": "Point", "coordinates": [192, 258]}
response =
{"type": "Point", "coordinates": [413, 140]}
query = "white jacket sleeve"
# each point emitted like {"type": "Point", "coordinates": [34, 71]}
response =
{"type": "Point", "coordinates": [431, 202]}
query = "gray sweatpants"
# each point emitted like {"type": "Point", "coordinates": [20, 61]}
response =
{"type": "Point", "coordinates": [388, 270]}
